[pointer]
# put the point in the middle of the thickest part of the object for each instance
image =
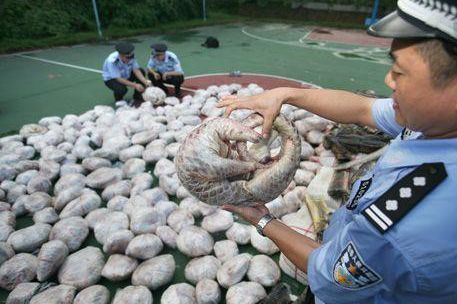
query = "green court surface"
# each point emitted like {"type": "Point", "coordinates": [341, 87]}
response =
{"type": "Point", "coordinates": [67, 80]}
{"type": "Point", "coordinates": [32, 89]}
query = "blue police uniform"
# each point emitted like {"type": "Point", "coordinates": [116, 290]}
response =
{"type": "Point", "coordinates": [169, 64]}
{"type": "Point", "coordinates": [113, 67]}
{"type": "Point", "coordinates": [415, 261]}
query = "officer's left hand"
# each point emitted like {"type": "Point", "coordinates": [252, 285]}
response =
{"type": "Point", "coordinates": [164, 76]}
{"type": "Point", "coordinates": [252, 213]}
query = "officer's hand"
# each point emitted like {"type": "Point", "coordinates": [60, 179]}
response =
{"type": "Point", "coordinates": [267, 104]}
{"type": "Point", "coordinates": [252, 214]}
{"type": "Point", "coordinates": [139, 88]}
{"type": "Point", "coordinates": [164, 76]}
{"type": "Point", "coordinates": [157, 76]}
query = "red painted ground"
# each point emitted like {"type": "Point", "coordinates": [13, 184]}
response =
{"type": "Point", "coordinates": [266, 82]}
{"type": "Point", "coordinates": [357, 37]}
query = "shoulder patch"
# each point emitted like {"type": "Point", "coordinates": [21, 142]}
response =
{"type": "Point", "coordinates": [350, 271]}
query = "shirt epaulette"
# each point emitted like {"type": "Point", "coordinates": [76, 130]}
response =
{"type": "Point", "coordinates": [404, 195]}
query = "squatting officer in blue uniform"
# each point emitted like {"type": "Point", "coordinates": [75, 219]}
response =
{"type": "Point", "coordinates": [165, 67]}
{"type": "Point", "coordinates": [394, 240]}
{"type": "Point", "coordinates": [121, 70]}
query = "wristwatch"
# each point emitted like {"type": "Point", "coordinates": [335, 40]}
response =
{"type": "Point", "coordinates": [264, 220]}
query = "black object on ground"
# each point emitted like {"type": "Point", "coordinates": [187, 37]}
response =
{"type": "Point", "coordinates": [211, 43]}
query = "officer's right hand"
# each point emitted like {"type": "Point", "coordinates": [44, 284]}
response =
{"type": "Point", "coordinates": [157, 76]}
{"type": "Point", "coordinates": [267, 104]}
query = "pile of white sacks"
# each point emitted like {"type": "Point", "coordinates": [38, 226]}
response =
{"type": "Point", "coordinates": [83, 175]}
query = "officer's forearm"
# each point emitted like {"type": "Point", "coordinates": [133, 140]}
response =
{"type": "Point", "coordinates": [126, 82]}
{"type": "Point", "coordinates": [139, 75]}
{"type": "Point", "coordinates": [293, 245]}
{"type": "Point", "coordinates": [336, 105]}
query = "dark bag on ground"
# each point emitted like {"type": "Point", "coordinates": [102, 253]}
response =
{"type": "Point", "coordinates": [211, 42]}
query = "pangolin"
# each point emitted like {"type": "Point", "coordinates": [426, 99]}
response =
{"type": "Point", "coordinates": [214, 165]}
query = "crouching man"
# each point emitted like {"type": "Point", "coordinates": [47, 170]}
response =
{"type": "Point", "coordinates": [164, 67]}
{"type": "Point", "coordinates": [121, 70]}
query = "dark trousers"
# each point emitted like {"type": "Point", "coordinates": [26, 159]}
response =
{"type": "Point", "coordinates": [120, 89]}
{"type": "Point", "coordinates": [176, 81]}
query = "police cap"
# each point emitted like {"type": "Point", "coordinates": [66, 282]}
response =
{"type": "Point", "coordinates": [419, 19]}
{"type": "Point", "coordinates": [124, 47]}
{"type": "Point", "coordinates": [159, 47]}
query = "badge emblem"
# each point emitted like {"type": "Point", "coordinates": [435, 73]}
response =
{"type": "Point", "coordinates": [350, 271]}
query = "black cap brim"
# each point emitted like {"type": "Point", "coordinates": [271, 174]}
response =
{"type": "Point", "coordinates": [396, 26]}
{"type": "Point", "coordinates": [124, 48]}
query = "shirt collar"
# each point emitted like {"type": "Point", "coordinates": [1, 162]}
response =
{"type": "Point", "coordinates": [405, 153]}
{"type": "Point", "coordinates": [118, 60]}
{"type": "Point", "coordinates": [164, 59]}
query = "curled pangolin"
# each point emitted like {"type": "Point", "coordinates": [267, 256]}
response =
{"type": "Point", "coordinates": [213, 162]}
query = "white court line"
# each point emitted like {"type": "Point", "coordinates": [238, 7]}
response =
{"type": "Point", "coordinates": [292, 43]}
{"type": "Point", "coordinates": [302, 39]}
{"type": "Point", "coordinates": [61, 63]}
{"type": "Point", "coordinates": [302, 44]}
{"type": "Point", "coordinates": [80, 67]}
{"type": "Point", "coordinates": [257, 74]}
{"type": "Point", "coordinates": [243, 30]}
{"type": "Point", "coordinates": [188, 77]}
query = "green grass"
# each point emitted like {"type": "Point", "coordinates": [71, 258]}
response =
{"type": "Point", "coordinates": [214, 18]}
{"type": "Point", "coordinates": [14, 45]}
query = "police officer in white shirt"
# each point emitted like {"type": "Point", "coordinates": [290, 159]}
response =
{"type": "Point", "coordinates": [121, 70]}
{"type": "Point", "coordinates": [164, 67]}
